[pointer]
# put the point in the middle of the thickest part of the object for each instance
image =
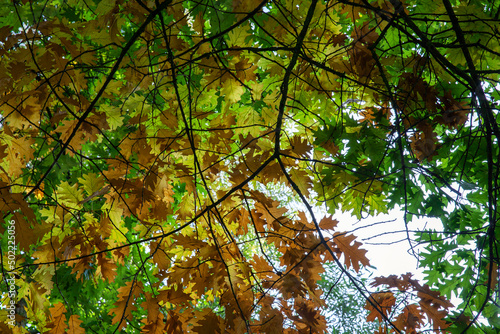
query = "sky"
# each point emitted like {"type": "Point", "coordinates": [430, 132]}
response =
{"type": "Point", "coordinates": [385, 238]}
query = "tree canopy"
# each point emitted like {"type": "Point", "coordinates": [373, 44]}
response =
{"type": "Point", "coordinates": [177, 166]}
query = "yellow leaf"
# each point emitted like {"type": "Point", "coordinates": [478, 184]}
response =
{"type": "Point", "coordinates": [115, 215]}
{"type": "Point", "coordinates": [114, 116]}
{"type": "Point", "coordinates": [134, 104]}
{"type": "Point", "coordinates": [352, 129]}
{"type": "Point", "coordinates": [186, 207]}
{"type": "Point", "coordinates": [43, 275]}
{"type": "Point", "coordinates": [232, 90]}
{"type": "Point", "coordinates": [105, 7]}
{"type": "Point", "coordinates": [70, 196]}
{"type": "Point", "coordinates": [237, 36]}
{"type": "Point", "coordinates": [18, 152]}
{"type": "Point", "coordinates": [248, 119]}
{"type": "Point", "coordinates": [269, 116]}
{"type": "Point", "coordinates": [302, 180]}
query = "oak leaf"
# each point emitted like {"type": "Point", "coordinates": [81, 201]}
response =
{"type": "Point", "coordinates": [272, 322]}
{"type": "Point", "coordinates": [160, 257]}
{"type": "Point", "coordinates": [74, 325]}
{"type": "Point", "coordinates": [58, 314]}
{"type": "Point", "coordinates": [410, 319]}
{"type": "Point", "coordinates": [232, 90]}
{"type": "Point", "coordinates": [353, 255]}
{"type": "Point", "coordinates": [300, 146]}
{"type": "Point", "coordinates": [291, 286]}
{"type": "Point", "coordinates": [174, 296]}
{"type": "Point", "coordinates": [91, 183]}
{"type": "Point", "coordinates": [26, 235]}
{"type": "Point", "coordinates": [209, 324]}
{"type": "Point", "coordinates": [125, 304]}
{"type": "Point", "coordinates": [106, 267]}
{"type": "Point", "coordinates": [157, 326]}
{"type": "Point", "coordinates": [237, 36]}
{"type": "Point", "coordinates": [70, 196]}
{"type": "Point", "coordinates": [384, 301]}
{"type": "Point", "coordinates": [328, 223]}
{"type": "Point", "coordinates": [393, 281]}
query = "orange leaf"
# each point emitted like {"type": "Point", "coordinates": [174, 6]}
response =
{"type": "Point", "coordinates": [431, 303]}
{"type": "Point", "coordinates": [384, 302]}
{"type": "Point", "coordinates": [495, 274]}
{"type": "Point", "coordinates": [124, 306]}
{"type": "Point", "coordinates": [328, 223]}
{"type": "Point", "coordinates": [153, 308]}
{"type": "Point", "coordinates": [410, 319]}
{"type": "Point", "coordinates": [291, 286]}
{"type": "Point", "coordinates": [74, 325]}
{"type": "Point", "coordinates": [58, 325]}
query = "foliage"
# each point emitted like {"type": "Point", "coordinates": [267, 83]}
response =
{"type": "Point", "coordinates": [148, 149]}
{"type": "Point", "coordinates": [344, 310]}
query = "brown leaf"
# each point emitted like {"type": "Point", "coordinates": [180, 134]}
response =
{"type": "Point", "coordinates": [435, 315]}
{"type": "Point", "coordinates": [328, 223]}
{"type": "Point", "coordinates": [410, 319]}
{"type": "Point", "coordinates": [272, 322]}
{"type": "Point", "coordinates": [125, 304]}
{"type": "Point", "coordinates": [300, 147]}
{"type": "Point", "coordinates": [157, 326]}
{"type": "Point", "coordinates": [106, 267]}
{"type": "Point", "coordinates": [393, 282]}
{"type": "Point", "coordinates": [173, 296]}
{"type": "Point", "coordinates": [353, 255]}
{"type": "Point", "coordinates": [74, 325]}
{"type": "Point", "coordinates": [291, 286]}
{"type": "Point", "coordinates": [160, 257]}
{"type": "Point", "coordinates": [384, 302]}
{"type": "Point", "coordinates": [209, 323]}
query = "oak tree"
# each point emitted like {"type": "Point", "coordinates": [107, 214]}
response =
{"type": "Point", "coordinates": [176, 166]}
